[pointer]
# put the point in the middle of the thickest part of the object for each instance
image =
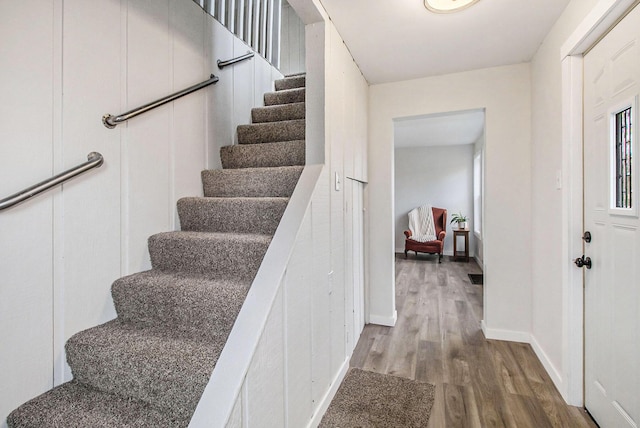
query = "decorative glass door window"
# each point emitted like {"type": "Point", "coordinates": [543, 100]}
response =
{"type": "Point", "coordinates": [623, 156]}
{"type": "Point", "coordinates": [623, 172]}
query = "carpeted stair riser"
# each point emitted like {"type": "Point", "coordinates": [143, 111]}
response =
{"type": "Point", "coordinates": [251, 182]}
{"type": "Point", "coordinates": [73, 405]}
{"type": "Point", "coordinates": [198, 307]}
{"type": "Point", "coordinates": [226, 255]}
{"type": "Point", "coordinates": [271, 132]}
{"type": "Point", "coordinates": [278, 112]}
{"type": "Point", "coordinates": [292, 82]}
{"type": "Point", "coordinates": [233, 215]}
{"type": "Point", "coordinates": [287, 96]}
{"type": "Point", "coordinates": [285, 153]}
{"type": "Point", "coordinates": [154, 365]}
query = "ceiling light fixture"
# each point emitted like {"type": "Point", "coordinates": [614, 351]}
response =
{"type": "Point", "coordinates": [447, 6]}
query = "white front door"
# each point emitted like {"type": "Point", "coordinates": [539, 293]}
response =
{"type": "Point", "coordinates": [612, 284]}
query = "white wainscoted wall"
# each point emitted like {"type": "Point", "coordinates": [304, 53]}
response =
{"type": "Point", "coordinates": [63, 64]}
{"type": "Point", "coordinates": [291, 343]}
{"type": "Point", "coordinates": [292, 46]}
{"type": "Point", "coordinates": [441, 176]}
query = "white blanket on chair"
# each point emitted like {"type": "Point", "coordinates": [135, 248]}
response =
{"type": "Point", "coordinates": [421, 224]}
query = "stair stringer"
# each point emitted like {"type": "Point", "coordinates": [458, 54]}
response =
{"type": "Point", "coordinates": [219, 400]}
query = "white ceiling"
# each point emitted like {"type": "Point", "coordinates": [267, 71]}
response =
{"type": "Point", "coordinates": [443, 129]}
{"type": "Point", "coordinates": [400, 39]}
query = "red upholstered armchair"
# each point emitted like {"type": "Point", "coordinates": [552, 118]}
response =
{"type": "Point", "coordinates": [431, 247]}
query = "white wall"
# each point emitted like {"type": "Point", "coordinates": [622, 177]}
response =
{"type": "Point", "coordinates": [64, 65]}
{"type": "Point", "coordinates": [546, 156]}
{"type": "Point", "coordinates": [505, 94]}
{"type": "Point", "coordinates": [441, 176]}
{"type": "Point", "coordinates": [291, 343]}
{"type": "Point", "coordinates": [292, 45]}
{"type": "Point", "coordinates": [26, 231]}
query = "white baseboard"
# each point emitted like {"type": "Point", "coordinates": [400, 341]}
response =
{"type": "Point", "coordinates": [554, 374]}
{"type": "Point", "coordinates": [506, 335]}
{"type": "Point", "coordinates": [382, 320]}
{"type": "Point", "coordinates": [326, 400]}
{"type": "Point", "coordinates": [523, 337]}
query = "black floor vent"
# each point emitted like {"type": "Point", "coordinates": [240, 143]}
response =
{"type": "Point", "coordinates": [475, 278]}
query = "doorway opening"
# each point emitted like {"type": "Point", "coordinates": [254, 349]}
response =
{"type": "Point", "coordinates": [439, 162]}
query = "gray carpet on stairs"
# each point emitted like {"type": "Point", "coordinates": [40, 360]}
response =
{"type": "Point", "coordinates": [251, 182]}
{"type": "Point", "coordinates": [271, 132]}
{"type": "Point", "coordinates": [278, 112]}
{"type": "Point", "coordinates": [154, 364]}
{"type": "Point", "coordinates": [285, 153]}
{"type": "Point", "coordinates": [74, 405]}
{"type": "Point", "coordinates": [234, 215]}
{"type": "Point", "coordinates": [225, 255]}
{"type": "Point", "coordinates": [296, 81]}
{"type": "Point", "coordinates": [149, 366]}
{"type": "Point", "coordinates": [286, 96]}
{"type": "Point", "coordinates": [197, 306]}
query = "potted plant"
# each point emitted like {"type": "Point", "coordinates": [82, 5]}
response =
{"type": "Point", "coordinates": [460, 219]}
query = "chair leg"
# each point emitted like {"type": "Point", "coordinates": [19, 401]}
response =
{"type": "Point", "coordinates": [439, 257]}
{"type": "Point", "coordinates": [416, 253]}
{"type": "Point", "coordinates": [405, 254]}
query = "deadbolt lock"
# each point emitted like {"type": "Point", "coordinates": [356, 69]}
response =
{"type": "Point", "coordinates": [582, 261]}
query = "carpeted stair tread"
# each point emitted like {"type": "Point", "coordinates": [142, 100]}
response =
{"type": "Point", "coordinates": [74, 405]}
{"type": "Point", "coordinates": [283, 153]}
{"type": "Point", "coordinates": [197, 306]}
{"type": "Point", "coordinates": [271, 132]}
{"type": "Point", "coordinates": [154, 365]}
{"type": "Point", "coordinates": [278, 112]}
{"type": "Point", "coordinates": [291, 82]}
{"type": "Point", "coordinates": [234, 215]}
{"type": "Point", "coordinates": [286, 96]}
{"type": "Point", "coordinates": [251, 182]}
{"type": "Point", "coordinates": [235, 255]}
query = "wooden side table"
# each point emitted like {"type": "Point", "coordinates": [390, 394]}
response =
{"type": "Point", "coordinates": [464, 255]}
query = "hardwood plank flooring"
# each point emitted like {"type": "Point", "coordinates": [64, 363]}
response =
{"type": "Point", "coordinates": [437, 339]}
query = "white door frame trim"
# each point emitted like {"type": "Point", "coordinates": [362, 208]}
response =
{"type": "Point", "coordinates": [595, 25]}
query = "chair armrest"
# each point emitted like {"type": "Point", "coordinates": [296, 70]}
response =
{"type": "Point", "coordinates": [407, 233]}
{"type": "Point", "coordinates": [441, 235]}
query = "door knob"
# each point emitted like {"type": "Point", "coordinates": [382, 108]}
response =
{"type": "Point", "coordinates": [587, 236]}
{"type": "Point", "coordinates": [582, 261]}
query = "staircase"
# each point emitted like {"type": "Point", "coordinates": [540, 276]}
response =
{"type": "Point", "coordinates": [150, 365]}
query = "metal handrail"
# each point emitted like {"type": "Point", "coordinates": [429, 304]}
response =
{"type": "Point", "coordinates": [94, 160]}
{"type": "Point", "coordinates": [112, 121]}
{"type": "Point", "coordinates": [223, 64]}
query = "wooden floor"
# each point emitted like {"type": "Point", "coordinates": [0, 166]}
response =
{"type": "Point", "coordinates": [437, 339]}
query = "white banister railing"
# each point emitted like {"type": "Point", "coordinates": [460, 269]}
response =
{"type": "Point", "coordinates": [256, 22]}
